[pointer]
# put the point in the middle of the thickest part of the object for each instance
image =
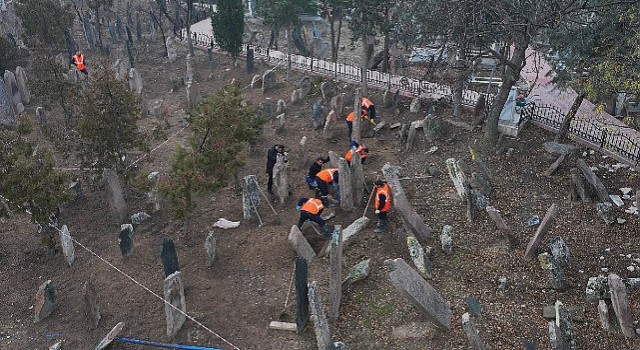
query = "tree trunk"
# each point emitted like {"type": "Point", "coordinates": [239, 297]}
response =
{"type": "Point", "coordinates": [288, 35]}
{"type": "Point", "coordinates": [566, 122]}
{"type": "Point", "coordinates": [99, 27]}
{"type": "Point", "coordinates": [188, 26]}
{"type": "Point", "coordinates": [332, 22]}
{"type": "Point", "coordinates": [367, 42]}
{"type": "Point", "coordinates": [355, 135]}
{"type": "Point", "coordinates": [158, 21]}
{"type": "Point", "coordinates": [385, 55]}
{"type": "Point", "coordinates": [335, 57]}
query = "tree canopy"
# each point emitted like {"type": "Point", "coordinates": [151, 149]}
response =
{"type": "Point", "coordinates": [228, 25]}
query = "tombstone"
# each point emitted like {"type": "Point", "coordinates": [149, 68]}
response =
{"type": "Point", "coordinates": [419, 258]}
{"type": "Point", "coordinates": [335, 273]}
{"type": "Point", "coordinates": [250, 61]}
{"type": "Point", "coordinates": [268, 80]}
{"type": "Point", "coordinates": [120, 69]}
{"type": "Point", "coordinates": [337, 104]}
{"type": "Point", "coordinates": [555, 272]}
{"type": "Point", "coordinates": [41, 116]}
{"type": "Point", "coordinates": [138, 30]}
{"type": "Point", "coordinates": [358, 272]}
{"type": "Point", "coordinates": [560, 252]}
{"type": "Point", "coordinates": [3, 5]}
{"type": "Point", "coordinates": [210, 57]}
{"type": "Point", "coordinates": [326, 90]}
{"type": "Point", "coordinates": [317, 114]}
{"type": "Point", "coordinates": [189, 63]}
{"type": "Point", "coordinates": [409, 283]}
{"type": "Point", "coordinates": [304, 85]}
{"type": "Point", "coordinates": [256, 81]}
{"type": "Point", "coordinates": [153, 196]}
{"type": "Point", "coordinates": [112, 32]}
{"type": "Point", "coordinates": [402, 204]}
{"type": "Point", "coordinates": [295, 96]}
{"type": "Point", "coordinates": [250, 196]}
{"type": "Point", "coordinates": [210, 247]}
{"type": "Point", "coordinates": [302, 296]}
{"type": "Point", "coordinates": [620, 303]}
{"type": "Point", "coordinates": [386, 98]}
{"type": "Point", "coordinates": [91, 303]}
{"type": "Point", "coordinates": [174, 295]}
{"type": "Point", "coordinates": [346, 185]}
{"type": "Point", "coordinates": [415, 105]}
{"type": "Point", "coordinates": [13, 92]}
{"type": "Point", "coordinates": [434, 128]}
{"type": "Point", "coordinates": [472, 333]}
{"type": "Point", "coordinates": [23, 88]}
{"type": "Point", "coordinates": [479, 183]}
{"type": "Point", "coordinates": [330, 122]}
{"type": "Point", "coordinates": [7, 116]}
{"type": "Point", "coordinates": [358, 225]}
{"type": "Point", "coordinates": [172, 49]}
{"type": "Point", "coordinates": [320, 324]}
{"type": "Point", "coordinates": [411, 137]}
{"type": "Point", "coordinates": [280, 177]}
{"type": "Point", "coordinates": [115, 197]}
{"type": "Point", "coordinates": [169, 257]}
{"type": "Point", "coordinates": [152, 27]}
{"type": "Point", "coordinates": [603, 315]}
{"type": "Point", "coordinates": [495, 216]}
{"type": "Point", "coordinates": [593, 180]}
{"type": "Point", "coordinates": [135, 81]}
{"type": "Point", "coordinates": [125, 239]}
{"type": "Point", "coordinates": [457, 176]}
{"type": "Point", "coordinates": [562, 333]}
{"type": "Point", "coordinates": [558, 149]}
{"type": "Point", "coordinates": [301, 245]}
{"type": "Point", "coordinates": [605, 213]}
{"type": "Point", "coordinates": [281, 106]}
{"type": "Point", "coordinates": [357, 180]}
{"type": "Point", "coordinates": [66, 243]}
{"type": "Point", "coordinates": [446, 239]}
{"type": "Point", "coordinates": [535, 241]}
{"type": "Point", "coordinates": [46, 300]}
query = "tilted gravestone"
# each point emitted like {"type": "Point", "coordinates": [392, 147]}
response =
{"type": "Point", "coordinates": [115, 198]}
{"type": "Point", "coordinates": [358, 272]}
{"type": "Point", "coordinates": [317, 114]}
{"type": "Point", "coordinates": [419, 292]}
{"type": "Point", "coordinates": [172, 49]}
{"type": "Point", "coordinates": [337, 104]}
{"type": "Point", "coordinates": [7, 115]}
{"type": "Point", "coordinates": [250, 196]}
{"type": "Point", "coordinates": [620, 303]}
{"type": "Point", "coordinates": [547, 221]}
{"type": "Point", "coordinates": [457, 176]}
{"type": "Point", "coordinates": [169, 257]}
{"type": "Point", "coordinates": [302, 297]}
{"type": "Point", "coordinates": [301, 245]}
{"type": "Point", "coordinates": [325, 89]}
{"type": "Point", "coordinates": [23, 87]}
{"type": "Point", "coordinates": [330, 121]}
{"type": "Point", "coordinates": [281, 178]}
{"type": "Point", "coordinates": [174, 295]}
{"type": "Point", "coordinates": [12, 91]}
{"type": "Point", "coordinates": [41, 116]}
{"type": "Point", "coordinates": [268, 80]}
{"type": "Point", "coordinates": [67, 245]}
{"type": "Point", "coordinates": [135, 81]}
{"type": "Point", "coordinates": [304, 85]}
{"type": "Point", "coordinates": [335, 273]}
{"type": "Point", "coordinates": [256, 81]}
{"type": "Point", "coordinates": [125, 239]}
{"type": "Point", "coordinates": [210, 247]}
{"type": "Point", "coordinates": [358, 225]}
{"type": "Point", "coordinates": [554, 270]}
{"type": "Point", "coordinates": [281, 106]}
{"type": "Point", "coordinates": [91, 303]}
{"type": "Point", "coordinates": [345, 185]}
{"type": "Point", "coordinates": [419, 258]}
{"type": "Point", "coordinates": [46, 299]}
{"type": "Point", "coordinates": [320, 324]}
{"type": "Point", "coordinates": [446, 239]}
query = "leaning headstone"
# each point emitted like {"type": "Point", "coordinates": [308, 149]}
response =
{"type": "Point", "coordinates": [595, 182]}
{"type": "Point", "coordinates": [46, 299]}
{"type": "Point", "coordinates": [337, 104]}
{"type": "Point", "coordinates": [281, 178]}
{"type": "Point", "coordinates": [139, 218]}
{"type": "Point", "coordinates": [560, 252]}
{"type": "Point", "coordinates": [23, 88]}
{"type": "Point", "coordinates": [357, 273]}
{"type": "Point", "coordinates": [346, 185]}
{"type": "Point", "coordinates": [115, 198]}
{"type": "Point", "coordinates": [495, 216]}
{"type": "Point", "coordinates": [358, 181]}
{"type": "Point", "coordinates": [172, 49]}
{"type": "Point", "coordinates": [189, 71]}
{"type": "Point", "coordinates": [91, 303]}
{"type": "Point", "coordinates": [335, 273]}
{"type": "Point", "coordinates": [434, 128]}
{"type": "Point", "coordinates": [317, 114]}
{"type": "Point", "coordinates": [325, 89]}
{"type": "Point", "coordinates": [169, 257]}
{"type": "Point", "coordinates": [446, 239]}
{"type": "Point", "coordinates": [295, 96]}
{"type": "Point", "coordinates": [320, 324]}
{"type": "Point", "coordinates": [108, 339]}
{"type": "Point", "coordinates": [535, 241]}
{"type": "Point", "coordinates": [603, 315]}
{"type": "Point", "coordinates": [153, 196]}
{"type": "Point", "coordinates": [302, 294]}
{"type": "Point", "coordinates": [176, 308]}
{"type": "Point", "coordinates": [419, 292]}
{"type": "Point", "coordinates": [256, 81]}
{"type": "Point", "coordinates": [135, 81]}
{"type": "Point", "coordinates": [125, 239]}
{"type": "Point", "coordinates": [281, 106]}
{"type": "Point", "coordinates": [386, 98]}
{"type": "Point", "coordinates": [41, 116]}
{"type": "Point", "coordinates": [457, 176]}
{"type": "Point", "coordinates": [415, 105]}
{"type": "Point", "coordinates": [7, 116]}
{"type": "Point", "coordinates": [301, 245]}
{"type": "Point", "coordinates": [67, 245]}
{"type": "Point", "coordinates": [13, 92]}
{"type": "Point", "coordinates": [557, 278]}
{"type": "Point", "coordinates": [411, 137]}
{"type": "Point", "coordinates": [250, 196]}
{"type": "Point", "coordinates": [268, 80]}
{"type": "Point", "coordinates": [620, 303]}
{"type": "Point", "coordinates": [329, 123]}
{"type": "Point", "coordinates": [120, 69]}
{"type": "Point", "coordinates": [557, 338]}
{"type": "Point", "coordinates": [558, 149]}
{"type": "Point", "coordinates": [210, 247]}
{"type": "Point", "coordinates": [419, 258]}
{"type": "Point", "coordinates": [358, 225]}
{"type": "Point", "coordinates": [402, 204]}
{"type": "Point", "coordinates": [472, 333]}
{"type": "Point", "coordinates": [305, 86]}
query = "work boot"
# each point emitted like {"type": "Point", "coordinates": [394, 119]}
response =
{"type": "Point", "coordinates": [326, 231]}
{"type": "Point", "coordinates": [380, 226]}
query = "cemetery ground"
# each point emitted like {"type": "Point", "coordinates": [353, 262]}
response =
{"type": "Point", "coordinates": [249, 282]}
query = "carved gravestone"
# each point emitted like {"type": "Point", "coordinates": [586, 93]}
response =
{"type": "Point", "coordinates": [302, 297]}
{"type": "Point", "coordinates": [346, 185]}
{"type": "Point", "coordinates": [250, 196]}
{"type": "Point", "coordinates": [210, 56]}
{"type": "Point", "coordinates": [139, 218]}
{"type": "Point", "coordinates": [210, 248]}
{"type": "Point", "coordinates": [337, 104]}
{"type": "Point", "coordinates": [434, 128]}
{"type": "Point", "coordinates": [304, 85]}
{"type": "Point", "coordinates": [46, 300]}
{"type": "Point", "coordinates": [172, 49]}
{"type": "Point", "coordinates": [317, 114]}
{"type": "Point", "coordinates": [325, 89]}
{"type": "Point", "coordinates": [7, 116]}
{"type": "Point", "coordinates": [120, 69]}
{"type": "Point", "coordinates": [169, 257]}
{"type": "Point", "coordinates": [23, 88]}
{"type": "Point", "coordinates": [386, 98]}
{"type": "Point", "coordinates": [358, 272]}
{"type": "Point", "coordinates": [281, 106]}
{"type": "Point", "coordinates": [301, 245]}
{"type": "Point", "coordinates": [295, 96]}
{"type": "Point", "coordinates": [335, 273]}
{"type": "Point", "coordinates": [472, 333]}
{"type": "Point", "coordinates": [256, 81]}
{"type": "Point", "coordinates": [358, 225]}
{"type": "Point", "coordinates": [330, 122]}
{"type": "Point", "coordinates": [115, 198]}
{"type": "Point", "coordinates": [457, 176]}
{"type": "Point", "coordinates": [91, 303]}
{"type": "Point", "coordinates": [555, 271]}
{"type": "Point", "coordinates": [560, 252]}
{"type": "Point", "coordinates": [125, 239]}
{"type": "Point", "coordinates": [357, 180]}
{"type": "Point", "coordinates": [620, 303]}
{"type": "Point", "coordinates": [415, 105]}
{"type": "Point", "coordinates": [446, 239]}
{"type": "Point", "coordinates": [12, 91]}
{"type": "Point", "coordinates": [320, 324]}
{"type": "Point", "coordinates": [268, 80]}
{"type": "Point", "coordinates": [153, 196]}
{"type": "Point", "coordinates": [67, 245]}
{"type": "Point", "coordinates": [250, 61]}
{"type": "Point", "coordinates": [135, 81]}
{"type": "Point", "coordinates": [174, 295]}
{"type": "Point", "coordinates": [605, 213]}
{"type": "Point", "coordinates": [420, 259]}
{"type": "Point", "coordinates": [280, 178]}
{"type": "Point", "coordinates": [419, 292]}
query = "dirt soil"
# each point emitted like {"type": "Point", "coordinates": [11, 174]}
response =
{"type": "Point", "coordinates": [248, 284]}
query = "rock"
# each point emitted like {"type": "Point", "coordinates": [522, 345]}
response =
{"type": "Point", "coordinates": [174, 296]}
{"type": "Point", "coordinates": [357, 272]}
{"type": "Point", "coordinates": [533, 221]}
{"type": "Point", "coordinates": [46, 299]}
{"type": "Point", "coordinates": [558, 149]}
{"type": "Point", "coordinates": [616, 200]}
{"type": "Point", "coordinates": [138, 218]}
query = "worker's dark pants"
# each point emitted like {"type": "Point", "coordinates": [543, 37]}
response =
{"type": "Point", "coordinates": [270, 181]}
{"type": "Point", "coordinates": [323, 187]}
{"type": "Point", "coordinates": [304, 216]}
{"type": "Point", "coordinates": [84, 71]}
{"type": "Point", "coordinates": [382, 216]}
{"type": "Point", "coordinates": [372, 112]}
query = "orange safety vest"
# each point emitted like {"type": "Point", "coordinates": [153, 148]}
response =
{"type": "Point", "coordinates": [350, 117]}
{"type": "Point", "coordinates": [326, 175]}
{"type": "Point", "coordinates": [387, 193]}
{"type": "Point", "coordinates": [78, 60]}
{"type": "Point", "coordinates": [349, 154]}
{"type": "Point", "coordinates": [366, 103]}
{"type": "Point", "coordinates": [312, 206]}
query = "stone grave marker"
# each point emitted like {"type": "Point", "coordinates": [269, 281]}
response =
{"type": "Point", "coordinates": [210, 247]}
{"type": "Point", "coordinates": [304, 85]}
{"type": "Point", "coordinates": [125, 239]}
{"type": "Point", "coordinates": [335, 273]}
{"type": "Point", "coordinates": [189, 72]}
{"type": "Point", "coordinates": [295, 96]}
{"type": "Point", "coordinates": [7, 116]}
{"type": "Point", "coordinates": [472, 333]}
{"type": "Point", "coordinates": [46, 300]}
{"type": "Point", "coordinates": [317, 114]}
{"type": "Point", "coordinates": [555, 271]}
{"type": "Point", "coordinates": [346, 185]}
{"type": "Point", "coordinates": [620, 303]}
{"type": "Point", "coordinates": [169, 257]}
{"type": "Point", "coordinates": [139, 218]}
{"type": "Point", "coordinates": [67, 245]}
{"type": "Point", "coordinates": [419, 292]}
{"type": "Point", "coordinates": [357, 180]}
{"type": "Point", "coordinates": [320, 324]}
{"type": "Point", "coordinates": [250, 60]}
{"type": "Point", "coordinates": [302, 297]}
{"type": "Point", "coordinates": [325, 89]}
{"type": "Point", "coordinates": [268, 80]}
{"type": "Point", "coordinates": [281, 178]}
{"type": "Point", "coordinates": [421, 261]}
{"type": "Point", "coordinates": [174, 295]}
{"type": "Point", "coordinates": [13, 92]}
{"type": "Point", "coordinates": [337, 104]}
{"type": "Point", "coordinates": [386, 98]}
{"type": "Point", "coordinates": [138, 30]}
{"type": "Point", "coordinates": [358, 272]}
{"type": "Point", "coordinates": [41, 116]}
{"type": "Point", "coordinates": [495, 216]}
{"type": "Point", "coordinates": [108, 339]}
{"type": "Point", "coordinates": [604, 315]}
{"type": "Point", "coordinates": [172, 49]}
{"type": "Point", "coordinates": [415, 105]}
{"type": "Point", "coordinates": [329, 123]}
{"type": "Point", "coordinates": [153, 196]}
{"type": "Point", "coordinates": [301, 245]}
{"type": "Point", "coordinates": [457, 176]}
{"type": "Point", "coordinates": [91, 303]}
{"type": "Point", "coordinates": [250, 197]}
{"type": "Point", "coordinates": [358, 225]}
{"type": "Point", "coordinates": [115, 198]}
{"type": "Point", "coordinates": [23, 87]}
{"type": "Point", "coordinates": [135, 81]}
{"type": "Point", "coordinates": [560, 252]}
{"type": "Point", "coordinates": [281, 106]}
{"type": "Point", "coordinates": [474, 305]}
{"type": "Point", "coordinates": [595, 182]}
{"type": "Point", "coordinates": [605, 213]}
{"type": "Point", "coordinates": [535, 241]}
{"type": "Point", "coordinates": [446, 239]}
{"type": "Point", "coordinates": [256, 81]}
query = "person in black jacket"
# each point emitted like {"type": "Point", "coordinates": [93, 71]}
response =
{"type": "Point", "coordinates": [272, 157]}
{"type": "Point", "coordinates": [314, 169]}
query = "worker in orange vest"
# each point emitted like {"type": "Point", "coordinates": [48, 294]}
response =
{"type": "Point", "coordinates": [382, 205]}
{"type": "Point", "coordinates": [368, 110]}
{"type": "Point", "coordinates": [327, 177]}
{"type": "Point", "coordinates": [80, 63]}
{"type": "Point", "coordinates": [349, 121]}
{"type": "Point", "coordinates": [361, 150]}
{"type": "Point", "coordinates": [311, 209]}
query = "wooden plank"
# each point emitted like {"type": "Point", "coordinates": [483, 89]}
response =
{"type": "Point", "coordinates": [283, 326]}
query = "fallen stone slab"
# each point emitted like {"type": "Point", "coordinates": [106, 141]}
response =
{"type": "Point", "coordinates": [355, 228]}
{"type": "Point", "coordinates": [547, 221]}
{"type": "Point", "coordinates": [576, 313]}
{"type": "Point", "coordinates": [620, 303]}
{"type": "Point", "coordinates": [301, 245]}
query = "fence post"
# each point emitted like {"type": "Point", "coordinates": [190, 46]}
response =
{"type": "Point", "coordinates": [335, 69]}
{"type": "Point", "coordinates": [312, 64]}
{"type": "Point", "coordinates": [604, 137]}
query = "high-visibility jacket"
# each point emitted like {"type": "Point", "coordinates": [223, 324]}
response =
{"type": "Point", "coordinates": [350, 117]}
{"type": "Point", "coordinates": [312, 206]}
{"type": "Point", "coordinates": [326, 175]}
{"type": "Point", "coordinates": [360, 152]}
{"type": "Point", "coordinates": [78, 60]}
{"type": "Point", "coordinates": [366, 103]}
{"type": "Point", "coordinates": [385, 191]}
